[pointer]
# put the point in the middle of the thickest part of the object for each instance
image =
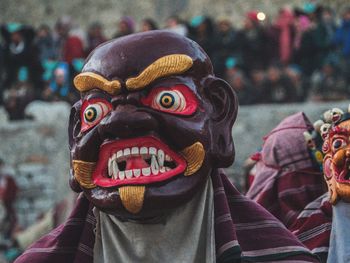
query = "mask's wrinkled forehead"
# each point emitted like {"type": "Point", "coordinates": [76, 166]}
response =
{"type": "Point", "coordinates": [137, 60]}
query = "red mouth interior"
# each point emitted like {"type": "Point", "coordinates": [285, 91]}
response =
{"type": "Point", "coordinates": [342, 175]}
{"type": "Point", "coordinates": [141, 160]}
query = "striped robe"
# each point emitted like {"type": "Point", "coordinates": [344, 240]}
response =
{"type": "Point", "coordinates": [244, 232]}
{"type": "Point", "coordinates": [290, 186]}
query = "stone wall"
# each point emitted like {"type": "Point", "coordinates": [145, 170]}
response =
{"type": "Point", "coordinates": [108, 12]}
{"type": "Point", "coordinates": [37, 155]}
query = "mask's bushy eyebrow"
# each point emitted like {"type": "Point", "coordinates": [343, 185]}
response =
{"type": "Point", "coordinates": [163, 67]}
{"type": "Point", "coordinates": [87, 81]}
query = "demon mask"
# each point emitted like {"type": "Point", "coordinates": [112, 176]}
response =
{"type": "Point", "coordinates": [152, 123]}
{"type": "Point", "coordinates": [336, 147]}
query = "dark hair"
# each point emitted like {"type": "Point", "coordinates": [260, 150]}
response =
{"type": "Point", "coordinates": [44, 27]}
{"type": "Point", "coordinates": [153, 25]}
{"type": "Point", "coordinates": [95, 24]}
{"type": "Point", "coordinates": [209, 24]}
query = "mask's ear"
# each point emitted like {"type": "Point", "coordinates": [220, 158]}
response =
{"type": "Point", "coordinates": [73, 130]}
{"type": "Point", "coordinates": [74, 123]}
{"type": "Point", "coordinates": [224, 112]}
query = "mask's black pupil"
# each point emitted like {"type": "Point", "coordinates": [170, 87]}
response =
{"type": "Point", "coordinates": [167, 100]}
{"type": "Point", "coordinates": [337, 144]}
{"type": "Point", "coordinates": [90, 114]}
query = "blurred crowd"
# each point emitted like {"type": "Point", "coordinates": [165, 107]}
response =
{"type": "Point", "coordinates": [297, 55]}
{"type": "Point", "coordinates": [301, 54]}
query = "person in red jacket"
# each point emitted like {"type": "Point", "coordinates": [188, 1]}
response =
{"type": "Point", "coordinates": [68, 46]}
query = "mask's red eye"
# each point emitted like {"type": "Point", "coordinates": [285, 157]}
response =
{"type": "Point", "coordinates": [178, 100]}
{"type": "Point", "coordinates": [93, 111]}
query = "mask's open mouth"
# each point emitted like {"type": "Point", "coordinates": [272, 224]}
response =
{"type": "Point", "coordinates": [136, 161]}
{"type": "Point", "coordinates": [342, 175]}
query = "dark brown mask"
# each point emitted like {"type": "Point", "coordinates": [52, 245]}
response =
{"type": "Point", "coordinates": [152, 123]}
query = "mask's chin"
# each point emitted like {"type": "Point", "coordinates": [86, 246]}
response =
{"type": "Point", "coordinates": [160, 199]}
